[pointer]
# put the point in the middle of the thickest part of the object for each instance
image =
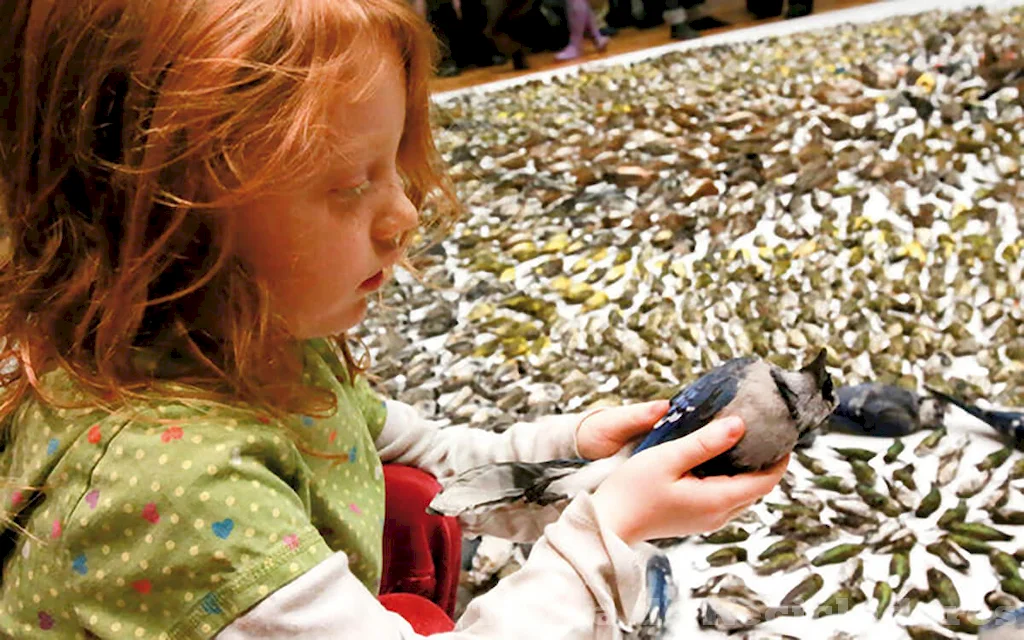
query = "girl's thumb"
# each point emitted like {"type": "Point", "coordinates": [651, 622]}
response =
{"type": "Point", "coordinates": [705, 443]}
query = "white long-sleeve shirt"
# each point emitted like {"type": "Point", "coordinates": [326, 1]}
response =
{"type": "Point", "coordinates": [580, 581]}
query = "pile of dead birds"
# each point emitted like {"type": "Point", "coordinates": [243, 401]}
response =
{"type": "Point", "coordinates": [628, 228]}
{"type": "Point", "coordinates": [872, 532]}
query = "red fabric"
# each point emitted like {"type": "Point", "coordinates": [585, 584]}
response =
{"type": "Point", "coordinates": [422, 553]}
{"type": "Point", "coordinates": [424, 616]}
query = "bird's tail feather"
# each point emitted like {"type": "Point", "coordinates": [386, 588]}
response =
{"type": "Point", "coordinates": [969, 408]}
{"type": "Point", "coordinates": [1001, 421]}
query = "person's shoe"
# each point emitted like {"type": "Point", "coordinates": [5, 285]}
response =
{"type": "Point", "coordinates": [799, 9]}
{"type": "Point", "coordinates": [519, 61]}
{"type": "Point", "coordinates": [683, 31]}
{"type": "Point", "coordinates": [569, 53]}
{"type": "Point", "coordinates": [448, 69]}
{"type": "Point", "coordinates": [609, 31]}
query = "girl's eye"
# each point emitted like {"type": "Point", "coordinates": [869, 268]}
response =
{"type": "Point", "coordinates": [360, 189]}
{"type": "Point", "coordinates": [352, 192]}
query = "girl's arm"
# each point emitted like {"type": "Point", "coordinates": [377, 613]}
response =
{"type": "Point", "coordinates": [579, 582]}
{"type": "Point", "coordinates": [407, 438]}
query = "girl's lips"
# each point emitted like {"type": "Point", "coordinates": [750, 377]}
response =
{"type": "Point", "coordinates": [373, 283]}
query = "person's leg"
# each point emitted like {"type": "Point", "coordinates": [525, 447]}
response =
{"type": "Point", "coordinates": [576, 16]}
{"type": "Point", "coordinates": [676, 17]}
{"type": "Point", "coordinates": [764, 8]}
{"type": "Point", "coordinates": [600, 9]}
{"type": "Point", "coordinates": [510, 25]}
{"type": "Point", "coordinates": [594, 32]}
{"type": "Point", "coordinates": [442, 18]}
{"type": "Point", "coordinates": [799, 8]}
{"type": "Point", "coordinates": [648, 13]}
{"type": "Point", "coordinates": [480, 48]}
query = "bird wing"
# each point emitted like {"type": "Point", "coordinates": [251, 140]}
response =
{"type": "Point", "coordinates": [840, 421]}
{"type": "Point", "coordinates": [698, 404]}
{"type": "Point", "coordinates": [873, 409]}
{"type": "Point", "coordinates": [501, 483]}
{"type": "Point", "coordinates": [889, 421]}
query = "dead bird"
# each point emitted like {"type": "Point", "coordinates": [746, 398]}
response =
{"type": "Point", "coordinates": [837, 554]}
{"type": "Point", "coordinates": [777, 406]}
{"type": "Point", "coordinates": [883, 410]}
{"type": "Point", "coordinates": [662, 593]}
{"type": "Point", "coordinates": [942, 586]}
{"type": "Point", "coordinates": [964, 622]}
{"type": "Point", "coordinates": [929, 503]}
{"type": "Point", "coordinates": [730, 613]}
{"type": "Point", "coordinates": [949, 461]}
{"type": "Point", "coordinates": [943, 550]}
{"type": "Point", "coordinates": [882, 593]}
{"type": "Point", "coordinates": [899, 566]}
{"type": "Point", "coordinates": [1008, 423]}
{"type": "Point", "coordinates": [913, 597]}
{"type": "Point", "coordinates": [840, 601]}
{"type": "Point", "coordinates": [921, 632]}
{"type": "Point", "coordinates": [902, 495]}
{"type": "Point", "coordinates": [789, 561]}
{"type": "Point", "coordinates": [803, 591]}
{"type": "Point", "coordinates": [722, 584]}
{"type": "Point", "coordinates": [930, 442]}
{"type": "Point", "coordinates": [973, 483]}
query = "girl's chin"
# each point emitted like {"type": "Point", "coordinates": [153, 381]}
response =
{"type": "Point", "coordinates": [344, 319]}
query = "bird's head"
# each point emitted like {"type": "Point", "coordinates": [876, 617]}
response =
{"type": "Point", "coordinates": [808, 393]}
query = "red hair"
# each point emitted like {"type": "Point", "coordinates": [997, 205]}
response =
{"type": "Point", "coordinates": [130, 126]}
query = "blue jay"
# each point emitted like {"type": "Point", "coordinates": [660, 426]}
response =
{"type": "Point", "coordinates": [1008, 423]}
{"type": "Point", "coordinates": [662, 593]}
{"type": "Point", "coordinates": [884, 410]}
{"type": "Point", "coordinates": [776, 405]}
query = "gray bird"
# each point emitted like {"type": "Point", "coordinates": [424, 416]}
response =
{"type": "Point", "coordinates": [776, 405]}
{"type": "Point", "coordinates": [884, 410]}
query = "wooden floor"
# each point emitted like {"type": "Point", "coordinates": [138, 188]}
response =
{"type": "Point", "coordinates": [731, 11]}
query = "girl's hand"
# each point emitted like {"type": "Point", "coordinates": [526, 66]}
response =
{"type": "Point", "coordinates": [603, 432]}
{"type": "Point", "coordinates": [653, 495]}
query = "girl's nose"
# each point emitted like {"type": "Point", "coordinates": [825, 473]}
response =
{"type": "Point", "coordinates": [398, 217]}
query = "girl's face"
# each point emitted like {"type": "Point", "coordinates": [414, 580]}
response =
{"type": "Point", "coordinates": [324, 247]}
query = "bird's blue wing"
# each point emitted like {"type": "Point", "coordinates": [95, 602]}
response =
{"type": "Point", "coordinates": [699, 403]}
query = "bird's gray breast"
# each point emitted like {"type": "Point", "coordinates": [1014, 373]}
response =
{"type": "Point", "coordinates": [770, 430]}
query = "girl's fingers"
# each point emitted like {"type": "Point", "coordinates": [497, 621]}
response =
{"type": "Point", "coordinates": [630, 420]}
{"type": "Point", "coordinates": [743, 488]}
{"type": "Point", "coordinates": [602, 432]}
{"type": "Point", "coordinates": [679, 456]}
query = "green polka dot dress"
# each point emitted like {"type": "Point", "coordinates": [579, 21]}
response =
{"type": "Point", "coordinates": [170, 520]}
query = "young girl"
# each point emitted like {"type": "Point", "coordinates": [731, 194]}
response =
{"type": "Point", "coordinates": [200, 196]}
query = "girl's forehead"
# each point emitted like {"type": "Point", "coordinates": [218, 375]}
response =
{"type": "Point", "coordinates": [361, 120]}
